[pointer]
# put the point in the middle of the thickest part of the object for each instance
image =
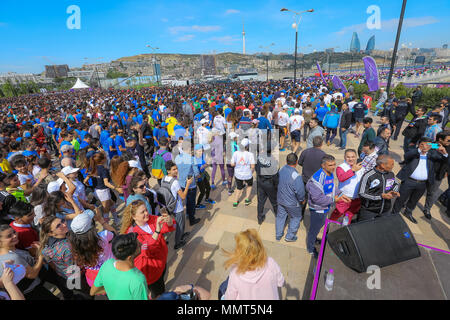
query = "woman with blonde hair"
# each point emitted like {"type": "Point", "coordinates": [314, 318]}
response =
{"type": "Point", "coordinates": [253, 275]}
{"type": "Point", "coordinates": [150, 229]}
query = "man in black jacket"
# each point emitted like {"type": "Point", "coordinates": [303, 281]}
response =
{"type": "Point", "coordinates": [416, 174]}
{"type": "Point", "coordinates": [266, 183]}
{"type": "Point", "coordinates": [417, 95]}
{"type": "Point", "coordinates": [415, 130]}
{"type": "Point", "coordinates": [382, 141]}
{"type": "Point", "coordinates": [440, 170]}
{"type": "Point", "coordinates": [378, 187]}
{"type": "Point", "coordinates": [345, 122]}
{"type": "Point", "coordinates": [401, 110]}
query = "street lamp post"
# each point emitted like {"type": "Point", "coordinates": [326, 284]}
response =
{"type": "Point", "coordinates": [267, 59]}
{"type": "Point", "coordinates": [154, 62]}
{"type": "Point", "coordinates": [295, 26]}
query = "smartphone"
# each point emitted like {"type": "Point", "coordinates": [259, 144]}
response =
{"type": "Point", "coordinates": [434, 145]}
{"type": "Point", "coordinates": [190, 176]}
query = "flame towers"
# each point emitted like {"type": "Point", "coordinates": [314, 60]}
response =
{"type": "Point", "coordinates": [355, 46]}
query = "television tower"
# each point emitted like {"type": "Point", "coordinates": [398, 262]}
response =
{"type": "Point", "coordinates": [243, 36]}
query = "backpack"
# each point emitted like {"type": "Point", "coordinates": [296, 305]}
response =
{"type": "Point", "coordinates": [159, 166]}
{"type": "Point", "coordinates": [165, 196]}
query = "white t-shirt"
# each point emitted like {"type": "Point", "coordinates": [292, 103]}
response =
{"type": "Point", "coordinates": [351, 104]}
{"type": "Point", "coordinates": [38, 214]}
{"type": "Point", "coordinates": [243, 161]}
{"type": "Point", "coordinates": [36, 170]}
{"type": "Point", "coordinates": [327, 99]}
{"type": "Point", "coordinates": [174, 189]}
{"type": "Point", "coordinates": [24, 177]}
{"type": "Point", "coordinates": [219, 124]}
{"type": "Point", "coordinates": [338, 95]}
{"type": "Point", "coordinates": [295, 122]}
{"type": "Point", "coordinates": [283, 119]}
{"type": "Point", "coordinates": [269, 116]}
{"type": "Point", "coordinates": [203, 135]}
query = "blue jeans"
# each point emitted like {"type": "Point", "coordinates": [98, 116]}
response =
{"type": "Point", "coordinates": [378, 107]}
{"type": "Point", "coordinates": [317, 222]}
{"type": "Point", "coordinates": [295, 217]}
{"type": "Point", "coordinates": [190, 202]}
{"type": "Point", "coordinates": [343, 135]}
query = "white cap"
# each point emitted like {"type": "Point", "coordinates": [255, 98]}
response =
{"type": "Point", "coordinates": [285, 106]}
{"type": "Point", "coordinates": [134, 164]}
{"type": "Point", "coordinates": [233, 135]}
{"type": "Point", "coordinates": [66, 147]}
{"type": "Point", "coordinates": [82, 223]}
{"type": "Point", "coordinates": [203, 121]}
{"type": "Point", "coordinates": [68, 170]}
{"type": "Point", "coordinates": [55, 185]}
{"type": "Point", "coordinates": [206, 114]}
{"type": "Point", "coordinates": [297, 111]}
{"type": "Point", "coordinates": [282, 94]}
{"type": "Point", "coordinates": [245, 142]}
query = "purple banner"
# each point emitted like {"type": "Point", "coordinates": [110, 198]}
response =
{"type": "Point", "coordinates": [371, 73]}
{"type": "Point", "coordinates": [337, 84]}
{"type": "Point", "coordinates": [320, 71]}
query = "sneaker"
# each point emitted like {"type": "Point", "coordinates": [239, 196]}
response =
{"type": "Point", "coordinates": [210, 201]}
{"type": "Point", "coordinates": [230, 192]}
{"type": "Point", "coordinates": [278, 238]}
{"type": "Point", "coordinates": [194, 221]}
{"type": "Point", "coordinates": [224, 183]}
{"type": "Point", "coordinates": [235, 205]}
{"type": "Point", "coordinates": [200, 206]}
{"type": "Point", "coordinates": [291, 240]}
{"type": "Point", "coordinates": [213, 187]}
{"type": "Point", "coordinates": [314, 253]}
{"type": "Point", "coordinates": [247, 202]}
{"type": "Point", "coordinates": [282, 149]}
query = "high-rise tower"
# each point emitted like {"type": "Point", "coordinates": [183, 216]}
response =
{"type": "Point", "coordinates": [243, 38]}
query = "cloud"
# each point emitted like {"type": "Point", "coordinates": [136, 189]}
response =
{"type": "Point", "coordinates": [227, 40]}
{"type": "Point", "coordinates": [185, 38]}
{"type": "Point", "coordinates": [390, 25]}
{"type": "Point", "coordinates": [231, 11]}
{"type": "Point", "coordinates": [195, 28]}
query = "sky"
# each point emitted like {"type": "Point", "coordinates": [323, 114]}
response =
{"type": "Point", "coordinates": [35, 33]}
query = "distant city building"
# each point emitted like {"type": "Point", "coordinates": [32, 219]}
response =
{"type": "Point", "coordinates": [208, 65]}
{"type": "Point", "coordinates": [370, 45]}
{"type": "Point", "coordinates": [18, 77]}
{"type": "Point", "coordinates": [355, 46]}
{"type": "Point", "coordinates": [57, 71]}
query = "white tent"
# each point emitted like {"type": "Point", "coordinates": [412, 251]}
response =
{"type": "Point", "coordinates": [80, 85]}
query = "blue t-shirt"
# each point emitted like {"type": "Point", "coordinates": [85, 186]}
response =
{"type": "Point", "coordinates": [264, 123]}
{"type": "Point", "coordinates": [111, 144]}
{"type": "Point", "coordinates": [83, 145]}
{"type": "Point", "coordinates": [226, 112]}
{"type": "Point", "coordinates": [119, 141]}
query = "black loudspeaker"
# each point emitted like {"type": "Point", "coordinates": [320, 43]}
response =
{"type": "Point", "coordinates": [381, 242]}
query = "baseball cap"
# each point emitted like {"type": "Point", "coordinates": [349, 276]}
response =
{"type": "Point", "coordinates": [55, 185]}
{"type": "Point", "coordinates": [245, 142]}
{"type": "Point", "coordinates": [233, 135]}
{"type": "Point", "coordinates": [66, 147]}
{"type": "Point", "coordinates": [82, 223]}
{"type": "Point", "coordinates": [68, 170]}
{"type": "Point", "coordinates": [203, 121]}
{"type": "Point", "coordinates": [134, 164]}
{"type": "Point", "coordinates": [255, 121]}
{"type": "Point", "coordinates": [131, 138]}
{"type": "Point", "coordinates": [297, 111]}
{"type": "Point", "coordinates": [206, 114]}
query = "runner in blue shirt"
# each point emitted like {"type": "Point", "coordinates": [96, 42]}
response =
{"type": "Point", "coordinates": [120, 142]}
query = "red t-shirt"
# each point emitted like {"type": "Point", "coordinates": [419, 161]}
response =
{"type": "Point", "coordinates": [26, 235]}
{"type": "Point", "coordinates": [152, 260]}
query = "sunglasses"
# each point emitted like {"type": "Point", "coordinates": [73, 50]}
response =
{"type": "Point", "coordinates": [141, 187]}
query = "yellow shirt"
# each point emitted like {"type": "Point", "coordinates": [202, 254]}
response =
{"type": "Point", "coordinates": [6, 167]}
{"type": "Point", "coordinates": [172, 122]}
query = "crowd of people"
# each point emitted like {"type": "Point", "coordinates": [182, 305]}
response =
{"type": "Point", "coordinates": [93, 181]}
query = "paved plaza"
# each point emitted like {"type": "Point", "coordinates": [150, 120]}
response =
{"type": "Point", "coordinates": [201, 261]}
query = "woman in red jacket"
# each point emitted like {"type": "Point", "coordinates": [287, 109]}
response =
{"type": "Point", "coordinates": [150, 229]}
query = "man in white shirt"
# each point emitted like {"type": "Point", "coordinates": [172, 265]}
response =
{"type": "Point", "coordinates": [244, 165]}
{"type": "Point", "coordinates": [338, 95]}
{"type": "Point", "coordinates": [282, 99]}
{"type": "Point", "coordinates": [203, 134]}
{"type": "Point", "coordinates": [171, 182]}
{"type": "Point", "coordinates": [220, 122]}
{"type": "Point", "coordinates": [295, 126]}
{"type": "Point", "coordinates": [283, 119]}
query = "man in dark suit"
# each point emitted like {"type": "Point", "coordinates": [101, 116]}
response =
{"type": "Point", "coordinates": [417, 172]}
{"type": "Point", "coordinates": [401, 110]}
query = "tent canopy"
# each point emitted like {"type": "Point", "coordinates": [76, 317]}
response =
{"type": "Point", "coordinates": [80, 85]}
